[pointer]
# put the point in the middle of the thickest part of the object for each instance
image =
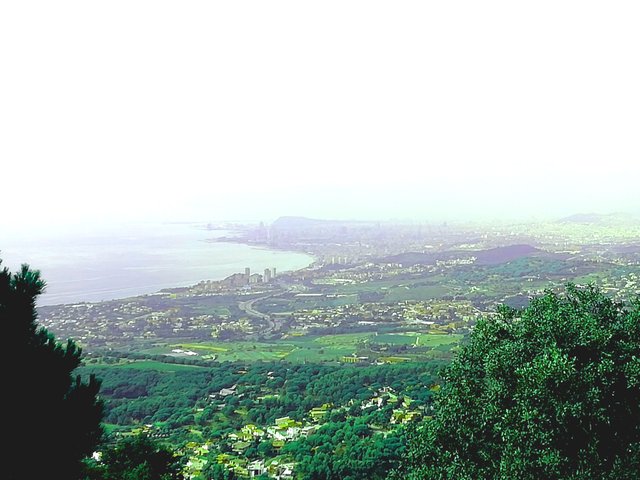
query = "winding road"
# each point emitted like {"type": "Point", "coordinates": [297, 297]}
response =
{"type": "Point", "coordinates": [247, 307]}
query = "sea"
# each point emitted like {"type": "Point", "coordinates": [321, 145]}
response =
{"type": "Point", "coordinates": [124, 261]}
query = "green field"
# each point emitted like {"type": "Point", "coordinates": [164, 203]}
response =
{"type": "Point", "coordinates": [317, 355]}
{"type": "Point", "coordinates": [298, 350]}
{"type": "Point", "coordinates": [233, 351]}
{"type": "Point", "coordinates": [417, 292]}
{"type": "Point", "coordinates": [424, 339]}
{"type": "Point", "coordinates": [213, 310]}
{"type": "Point", "coordinates": [395, 291]}
{"type": "Point", "coordinates": [344, 339]}
{"type": "Point", "coordinates": [325, 348]}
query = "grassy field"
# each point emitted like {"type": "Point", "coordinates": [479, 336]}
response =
{"type": "Point", "coordinates": [344, 339]}
{"type": "Point", "coordinates": [319, 355]}
{"type": "Point", "coordinates": [423, 339]}
{"type": "Point", "coordinates": [304, 349]}
{"type": "Point", "coordinates": [213, 310]}
{"type": "Point", "coordinates": [395, 291]}
{"type": "Point", "coordinates": [232, 351]}
{"type": "Point", "coordinates": [326, 348]}
{"type": "Point", "coordinates": [418, 292]}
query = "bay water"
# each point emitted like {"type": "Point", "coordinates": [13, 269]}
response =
{"type": "Point", "coordinates": [119, 262]}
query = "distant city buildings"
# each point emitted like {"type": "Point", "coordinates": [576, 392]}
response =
{"type": "Point", "coordinates": [248, 278]}
{"type": "Point", "coordinates": [337, 260]}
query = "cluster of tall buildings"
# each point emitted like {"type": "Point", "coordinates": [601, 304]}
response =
{"type": "Point", "coordinates": [269, 274]}
{"type": "Point", "coordinates": [248, 278]}
{"type": "Point", "coordinates": [339, 260]}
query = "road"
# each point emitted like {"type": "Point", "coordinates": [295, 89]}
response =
{"type": "Point", "coordinates": [247, 307]}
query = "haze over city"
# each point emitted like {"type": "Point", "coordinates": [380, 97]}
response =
{"type": "Point", "coordinates": [424, 111]}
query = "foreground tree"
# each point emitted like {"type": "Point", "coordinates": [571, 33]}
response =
{"type": "Point", "coordinates": [215, 471]}
{"type": "Point", "coordinates": [51, 418]}
{"type": "Point", "coordinates": [551, 391]}
{"type": "Point", "coordinates": [137, 458]}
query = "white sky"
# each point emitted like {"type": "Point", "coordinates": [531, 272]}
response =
{"type": "Point", "coordinates": [254, 109]}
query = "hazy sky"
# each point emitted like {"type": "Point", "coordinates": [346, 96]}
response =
{"type": "Point", "coordinates": [254, 109]}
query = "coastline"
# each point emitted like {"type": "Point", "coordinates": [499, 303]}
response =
{"type": "Point", "coordinates": [168, 289]}
{"type": "Point", "coordinates": [120, 266]}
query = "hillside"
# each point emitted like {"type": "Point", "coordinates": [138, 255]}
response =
{"type": "Point", "coordinates": [492, 256]}
{"type": "Point", "coordinates": [612, 219]}
{"type": "Point", "coordinates": [498, 255]}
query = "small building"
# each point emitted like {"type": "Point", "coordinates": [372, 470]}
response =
{"type": "Point", "coordinates": [256, 468]}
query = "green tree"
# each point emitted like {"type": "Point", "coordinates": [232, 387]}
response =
{"type": "Point", "coordinates": [266, 450]}
{"type": "Point", "coordinates": [140, 458]}
{"type": "Point", "coordinates": [215, 471]}
{"type": "Point", "coordinates": [548, 392]}
{"type": "Point", "coordinates": [51, 418]}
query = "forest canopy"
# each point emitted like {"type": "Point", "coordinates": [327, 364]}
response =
{"type": "Point", "coordinates": [551, 391]}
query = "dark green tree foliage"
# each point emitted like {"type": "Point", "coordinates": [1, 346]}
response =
{"type": "Point", "coordinates": [551, 391]}
{"type": "Point", "coordinates": [52, 419]}
{"type": "Point", "coordinates": [215, 471]}
{"type": "Point", "coordinates": [139, 458]}
{"type": "Point", "coordinates": [350, 450]}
